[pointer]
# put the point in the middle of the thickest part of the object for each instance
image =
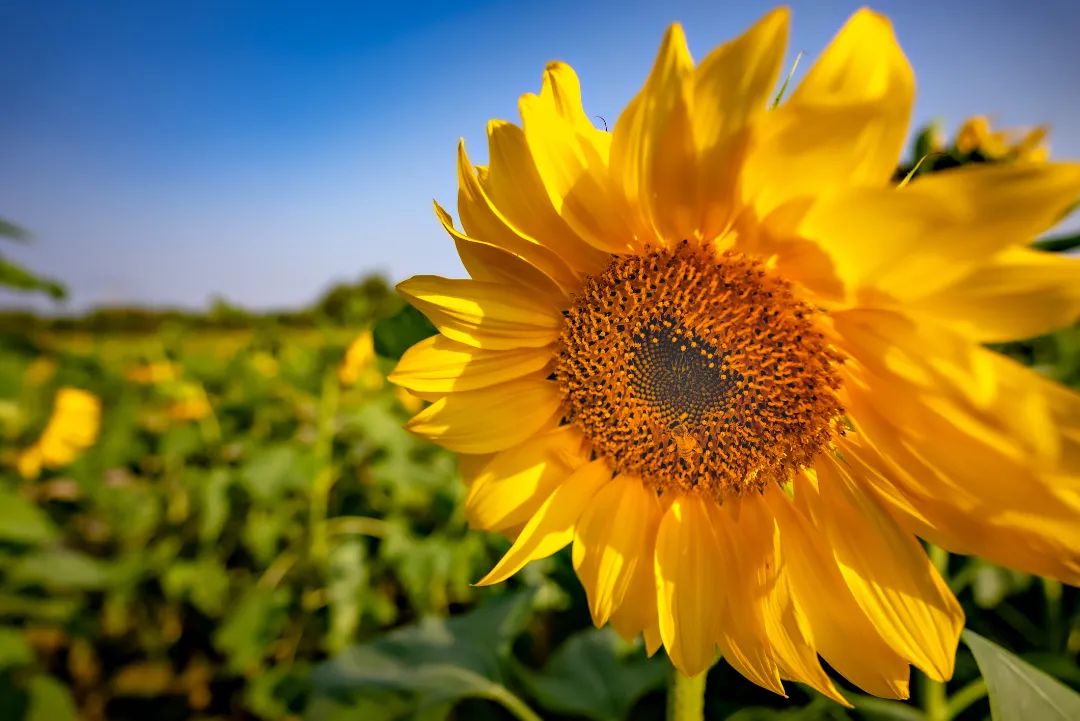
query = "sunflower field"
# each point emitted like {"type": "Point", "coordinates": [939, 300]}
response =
{"type": "Point", "coordinates": [223, 518]}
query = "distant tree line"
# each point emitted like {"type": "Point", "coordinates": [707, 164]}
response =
{"type": "Point", "coordinates": [343, 304]}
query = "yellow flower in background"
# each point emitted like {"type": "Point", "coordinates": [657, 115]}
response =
{"type": "Point", "coordinates": [976, 135]}
{"type": "Point", "coordinates": [189, 403]}
{"type": "Point", "coordinates": [265, 364]}
{"type": "Point", "coordinates": [152, 373]}
{"type": "Point", "coordinates": [39, 371]}
{"type": "Point", "coordinates": [741, 373]}
{"type": "Point", "coordinates": [358, 367]}
{"type": "Point", "coordinates": [71, 429]}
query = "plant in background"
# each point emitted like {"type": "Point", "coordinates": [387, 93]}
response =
{"type": "Point", "coordinates": [15, 277]}
{"type": "Point", "coordinates": [723, 356]}
{"type": "Point", "coordinates": [152, 373]}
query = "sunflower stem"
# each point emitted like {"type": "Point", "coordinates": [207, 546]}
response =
{"type": "Point", "coordinates": [935, 701]}
{"type": "Point", "coordinates": [934, 696]}
{"type": "Point", "coordinates": [686, 696]}
{"type": "Point", "coordinates": [1052, 594]}
{"type": "Point", "coordinates": [319, 545]}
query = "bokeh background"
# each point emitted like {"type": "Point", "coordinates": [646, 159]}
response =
{"type": "Point", "coordinates": [208, 507]}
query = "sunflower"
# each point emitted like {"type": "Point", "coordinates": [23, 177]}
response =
{"type": "Point", "coordinates": [71, 429]}
{"type": "Point", "coordinates": [976, 136]}
{"type": "Point", "coordinates": [742, 374]}
{"type": "Point", "coordinates": [358, 366]}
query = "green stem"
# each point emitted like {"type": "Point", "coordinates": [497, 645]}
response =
{"type": "Point", "coordinates": [513, 704]}
{"type": "Point", "coordinates": [686, 697]}
{"type": "Point", "coordinates": [324, 478]}
{"type": "Point", "coordinates": [966, 696]}
{"type": "Point", "coordinates": [935, 699]}
{"type": "Point", "coordinates": [1052, 593]}
{"type": "Point", "coordinates": [935, 702]}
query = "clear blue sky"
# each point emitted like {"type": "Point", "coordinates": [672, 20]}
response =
{"type": "Point", "coordinates": [166, 152]}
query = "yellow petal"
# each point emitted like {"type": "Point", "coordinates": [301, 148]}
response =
{"type": "Point", "coordinates": [1018, 293]}
{"type": "Point", "coordinates": [495, 264]}
{"type": "Point", "coordinates": [888, 573]}
{"type": "Point", "coordinates": [571, 157]}
{"type": "Point", "coordinates": [785, 629]}
{"type": "Point", "coordinates": [907, 243]}
{"type": "Point", "coordinates": [510, 487]}
{"type": "Point", "coordinates": [731, 90]}
{"type": "Point", "coordinates": [844, 125]}
{"type": "Point", "coordinates": [552, 526]}
{"type": "Point", "coordinates": [481, 421]}
{"type": "Point", "coordinates": [746, 571]}
{"type": "Point", "coordinates": [687, 588]}
{"type": "Point", "coordinates": [494, 316]}
{"type": "Point", "coordinates": [440, 365]}
{"type": "Point", "coordinates": [840, 630]}
{"type": "Point", "coordinates": [969, 410]}
{"type": "Point", "coordinates": [482, 221]}
{"type": "Point", "coordinates": [515, 188]}
{"type": "Point", "coordinates": [1010, 516]}
{"type": "Point", "coordinates": [29, 462]}
{"type": "Point", "coordinates": [611, 539]}
{"type": "Point", "coordinates": [653, 158]}
{"type": "Point", "coordinates": [470, 465]}
{"type": "Point", "coordinates": [637, 614]}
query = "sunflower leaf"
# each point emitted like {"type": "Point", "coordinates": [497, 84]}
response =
{"type": "Point", "coordinates": [435, 662]}
{"type": "Point", "coordinates": [1058, 243]}
{"type": "Point", "coordinates": [17, 277]}
{"type": "Point", "coordinates": [394, 335]}
{"type": "Point", "coordinates": [1018, 690]}
{"type": "Point", "coordinates": [595, 675]}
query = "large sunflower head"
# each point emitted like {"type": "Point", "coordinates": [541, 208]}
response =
{"type": "Point", "coordinates": [720, 353]}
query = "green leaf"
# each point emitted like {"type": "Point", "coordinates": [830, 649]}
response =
{"type": "Point", "coordinates": [1018, 690]}
{"type": "Point", "coordinates": [1058, 243]}
{"type": "Point", "coordinates": [212, 490]}
{"type": "Point", "coordinates": [345, 589]}
{"type": "Point", "coordinates": [13, 231]}
{"type": "Point", "coordinates": [17, 277]}
{"type": "Point", "coordinates": [50, 700]}
{"type": "Point", "coordinates": [60, 569]}
{"type": "Point", "coordinates": [14, 651]}
{"type": "Point", "coordinates": [23, 522]}
{"type": "Point", "coordinates": [394, 335]}
{"type": "Point", "coordinates": [56, 609]}
{"type": "Point", "coordinates": [272, 473]}
{"type": "Point", "coordinates": [204, 582]}
{"type": "Point", "coordinates": [595, 675]}
{"type": "Point", "coordinates": [253, 624]}
{"type": "Point", "coordinates": [436, 661]}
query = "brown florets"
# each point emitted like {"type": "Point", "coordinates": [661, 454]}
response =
{"type": "Point", "coordinates": [694, 370]}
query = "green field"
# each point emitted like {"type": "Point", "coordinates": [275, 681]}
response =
{"type": "Point", "coordinates": [294, 553]}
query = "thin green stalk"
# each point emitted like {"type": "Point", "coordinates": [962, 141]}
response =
{"type": "Point", "coordinates": [935, 702]}
{"type": "Point", "coordinates": [513, 704]}
{"type": "Point", "coordinates": [966, 696]}
{"type": "Point", "coordinates": [324, 478]}
{"type": "Point", "coordinates": [686, 697]}
{"type": "Point", "coordinates": [934, 697]}
{"type": "Point", "coordinates": [1054, 625]}
{"type": "Point", "coordinates": [787, 80]}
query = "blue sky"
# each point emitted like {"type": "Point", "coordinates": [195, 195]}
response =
{"type": "Point", "coordinates": [163, 153]}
